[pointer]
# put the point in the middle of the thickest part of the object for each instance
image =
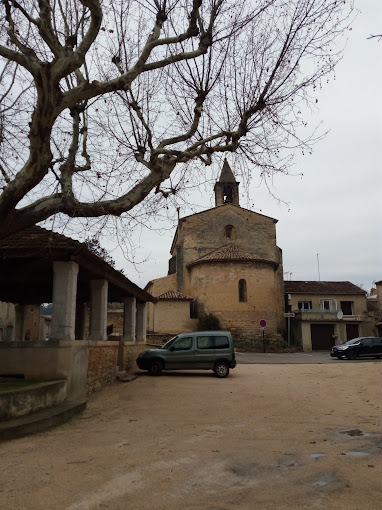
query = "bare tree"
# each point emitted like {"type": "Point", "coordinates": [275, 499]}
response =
{"type": "Point", "coordinates": [106, 103]}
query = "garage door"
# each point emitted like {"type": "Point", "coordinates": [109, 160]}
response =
{"type": "Point", "coordinates": [322, 336]}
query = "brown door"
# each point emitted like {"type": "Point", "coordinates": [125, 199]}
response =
{"type": "Point", "coordinates": [322, 336]}
{"type": "Point", "coordinates": [351, 331]}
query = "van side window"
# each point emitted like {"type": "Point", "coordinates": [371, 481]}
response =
{"type": "Point", "coordinates": [221, 342]}
{"type": "Point", "coordinates": [183, 344]}
{"type": "Point", "coordinates": [205, 342]}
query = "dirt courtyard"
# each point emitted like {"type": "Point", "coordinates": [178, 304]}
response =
{"type": "Point", "coordinates": [267, 437]}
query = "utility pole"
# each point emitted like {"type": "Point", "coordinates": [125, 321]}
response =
{"type": "Point", "coordinates": [318, 267]}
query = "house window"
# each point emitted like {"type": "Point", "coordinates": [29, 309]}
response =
{"type": "Point", "coordinates": [328, 304]}
{"type": "Point", "coordinates": [347, 307]}
{"type": "Point", "coordinates": [242, 291]}
{"type": "Point", "coordinates": [304, 305]}
{"type": "Point", "coordinates": [229, 232]}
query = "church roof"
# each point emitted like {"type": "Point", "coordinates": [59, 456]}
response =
{"type": "Point", "coordinates": [174, 294]}
{"type": "Point", "coordinates": [324, 288]}
{"type": "Point", "coordinates": [231, 253]}
{"type": "Point", "coordinates": [226, 174]}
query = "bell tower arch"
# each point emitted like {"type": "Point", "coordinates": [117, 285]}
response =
{"type": "Point", "coordinates": [226, 189]}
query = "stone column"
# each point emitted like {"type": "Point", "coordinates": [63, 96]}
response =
{"type": "Point", "coordinates": [129, 319]}
{"type": "Point", "coordinates": [141, 322]}
{"type": "Point", "coordinates": [64, 300]}
{"type": "Point", "coordinates": [98, 312]}
{"type": "Point", "coordinates": [19, 323]}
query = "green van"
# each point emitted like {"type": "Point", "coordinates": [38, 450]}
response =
{"type": "Point", "coordinates": [200, 350]}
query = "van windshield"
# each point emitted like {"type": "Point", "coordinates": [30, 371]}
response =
{"type": "Point", "coordinates": [168, 344]}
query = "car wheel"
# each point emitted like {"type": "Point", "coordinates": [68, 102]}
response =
{"type": "Point", "coordinates": [351, 355]}
{"type": "Point", "coordinates": [156, 367]}
{"type": "Point", "coordinates": [221, 369]}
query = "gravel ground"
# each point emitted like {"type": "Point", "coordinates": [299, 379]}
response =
{"type": "Point", "coordinates": [270, 436]}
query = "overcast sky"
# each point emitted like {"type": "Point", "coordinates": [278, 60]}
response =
{"type": "Point", "coordinates": [335, 209]}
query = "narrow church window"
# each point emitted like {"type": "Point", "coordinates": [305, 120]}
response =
{"type": "Point", "coordinates": [242, 291]}
{"type": "Point", "coordinates": [229, 232]}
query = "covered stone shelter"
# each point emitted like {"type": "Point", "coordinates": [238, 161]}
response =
{"type": "Point", "coordinates": [39, 266]}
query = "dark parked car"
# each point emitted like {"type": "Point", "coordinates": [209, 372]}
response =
{"type": "Point", "coordinates": [358, 347]}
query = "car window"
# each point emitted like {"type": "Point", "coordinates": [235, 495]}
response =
{"type": "Point", "coordinates": [375, 341]}
{"type": "Point", "coordinates": [353, 341]}
{"type": "Point", "coordinates": [183, 344]}
{"type": "Point", "coordinates": [221, 342]}
{"type": "Point", "coordinates": [366, 341]}
{"type": "Point", "coordinates": [205, 342]}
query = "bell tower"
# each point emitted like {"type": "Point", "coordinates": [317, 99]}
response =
{"type": "Point", "coordinates": [226, 189]}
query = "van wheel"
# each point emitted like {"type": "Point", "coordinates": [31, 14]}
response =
{"type": "Point", "coordinates": [221, 369]}
{"type": "Point", "coordinates": [156, 367]}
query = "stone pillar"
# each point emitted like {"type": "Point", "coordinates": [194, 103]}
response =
{"type": "Point", "coordinates": [129, 319]}
{"type": "Point", "coordinates": [19, 323]}
{"type": "Point", "coordinates": [98, 312]}
{"type": "Point", "coordinates": [141, 322]}
{"type": "Point", "coordinates": [64, 300]}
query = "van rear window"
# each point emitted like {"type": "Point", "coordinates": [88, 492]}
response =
{"type": "Point", "coordinates": [221, 342]}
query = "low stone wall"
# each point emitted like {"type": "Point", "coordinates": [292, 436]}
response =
{"type": "Point", "coordinates": [130, 354]}
{"type": "Point", "coordinates": [153, 339]}
{"type": "Point", "coordinates": [48, 360]}
{"type": "Point", "coordinates": [273, 342]}
{"type": "Point", "coordinates": [102, 365]}
{"type": "Point", "coordinates": [23, 401]}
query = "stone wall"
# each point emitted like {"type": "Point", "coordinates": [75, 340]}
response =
{"type": "Point", "coordinates": [22, 401]}
{"type": "Point", "coordinates": [217, 287]}
{"type": "Point", "coordinates": [7, 321]}
{"type": "Point", "coordinates": [131, 351]}
{"type": "Point", "coordinates": [154, 339]}
{"type": "Point", "coordinates": [102, 365]}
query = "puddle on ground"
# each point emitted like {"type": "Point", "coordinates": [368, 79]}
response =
{"type": "Point", "coordinates": [352, 432]}
{"type": "Point", "coordinates": [356, 454]}
{"type": "Point", "coordinates": [325, 479]}
{"type": "Point", "coordinates": [317, 455]}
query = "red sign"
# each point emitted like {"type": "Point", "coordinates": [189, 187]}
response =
{"type": "Point", "coordinates": [263, 323]}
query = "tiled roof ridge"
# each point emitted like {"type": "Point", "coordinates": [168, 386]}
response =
{"type": "Point", "coordinates": [231, 252]}
{"type": "Point", "coordinates": [174, 294]}
{"type": "Point", "coordinates": [326, 287]}
{"type": "Point", "coordinates": [37, 231]}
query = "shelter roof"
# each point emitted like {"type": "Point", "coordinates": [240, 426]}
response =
{"type": "Point", "coordinates": [26, 268]}
{"type": "Point", "coordinates": [231, 253]}
{"type": "Point", "coordinates": [314, 287]}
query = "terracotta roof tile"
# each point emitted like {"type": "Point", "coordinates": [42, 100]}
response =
{"type": "Point", "coordinates": [231, 253]}
{"type": "Point", "coordinates": [36, 239]}
{"type": "Point", "coordinates": [174, 294]}
{"type": "Point", "coordinates": [312, 287]}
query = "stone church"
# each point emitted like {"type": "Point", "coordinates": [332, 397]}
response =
{"type": "Point", "coordinates": [225, 262]}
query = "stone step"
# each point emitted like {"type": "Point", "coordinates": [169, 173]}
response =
{"type": "Point", "coordinates": [124, 376]}
{"type": "Point", "coordinates": [40, 420]}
